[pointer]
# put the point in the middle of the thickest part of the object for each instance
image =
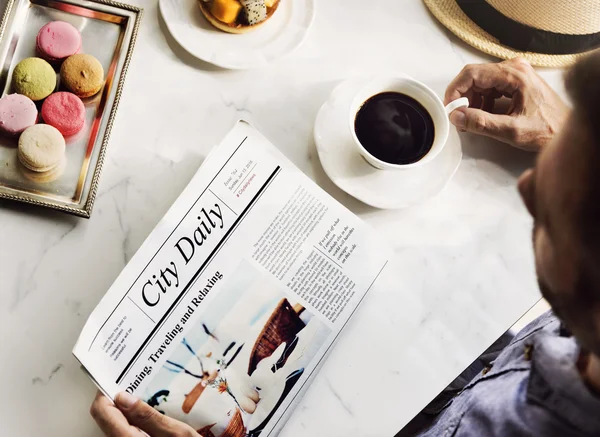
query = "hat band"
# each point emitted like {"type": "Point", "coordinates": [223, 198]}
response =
{"type": "Point", "coordinates": [525, 38]}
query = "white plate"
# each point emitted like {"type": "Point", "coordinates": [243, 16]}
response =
{"type": "Point", "coordinates": [349, 171]}
{"type": "Point", "coordinates": [281, 34]}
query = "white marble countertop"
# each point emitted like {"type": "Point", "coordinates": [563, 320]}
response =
{"type": "Point", "coordinates": [466, 254]}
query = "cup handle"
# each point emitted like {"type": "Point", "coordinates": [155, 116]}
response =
{"type": "Point", "coordinates": [463, 102]}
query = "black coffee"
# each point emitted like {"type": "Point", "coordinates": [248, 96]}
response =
{"type": "Point", "coordinates": [395, 128]}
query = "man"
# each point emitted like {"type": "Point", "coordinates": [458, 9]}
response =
{"type": "Point", "coordinates": [545, 382]}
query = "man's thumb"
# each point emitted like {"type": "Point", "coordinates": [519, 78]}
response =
{"type": "Point", "coordinates": [481, 122]}
{"type": "Point", "coordinates": [149, 420]}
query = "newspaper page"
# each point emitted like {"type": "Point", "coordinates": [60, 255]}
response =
{"type": "Point", "coordinates": [233, 301]}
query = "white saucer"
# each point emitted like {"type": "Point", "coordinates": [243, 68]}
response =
{"type": "Point", "coordinates": [348, 170]}
{"type": "Point", "coordinates": [284, 32]}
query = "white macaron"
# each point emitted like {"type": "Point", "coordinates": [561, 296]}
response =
{"type": "Point", "coordinates": [41, 147]}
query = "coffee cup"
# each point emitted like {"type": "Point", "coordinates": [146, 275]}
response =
{"type": "Point", "coordinates": [427, 100]}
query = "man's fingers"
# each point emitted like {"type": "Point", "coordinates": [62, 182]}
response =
{"type": "Point", "coordinates": [149, 420]}
{"type": "Point", "coordinates": [110, 420]}
{"type": "Point", "coordinates": [503, 78]}
{"type": "Point", "coordinates": [500, 127]}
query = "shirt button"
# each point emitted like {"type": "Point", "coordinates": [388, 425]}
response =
{"type": "Point", "coordinates": [528, 351]}
{"type": "Point", "coordinates": [486, 370]}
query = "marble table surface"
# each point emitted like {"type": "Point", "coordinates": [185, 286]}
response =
{"type": "Point", "coordinates": [466, 254]}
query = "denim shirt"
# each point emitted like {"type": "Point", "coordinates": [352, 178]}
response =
{"type": "Point", "coordinates": [532, 389]}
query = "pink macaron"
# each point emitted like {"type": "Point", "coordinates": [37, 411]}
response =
{"type": "Point", "coordinates": [17, 113]}
{"type": "Point", "coordinates": [58, 40]}
{"type": "Point", "coordinates": [65, 111]}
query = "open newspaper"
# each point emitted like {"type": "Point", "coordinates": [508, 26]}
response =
{"type": "Point", "coordinates": [226, 311]}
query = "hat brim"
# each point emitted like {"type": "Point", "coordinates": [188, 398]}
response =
{"type": "Point", "coordinates": [452, 16]}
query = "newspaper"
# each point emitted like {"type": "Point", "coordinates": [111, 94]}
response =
{"type": "Point", "coordinates": [229, 307]}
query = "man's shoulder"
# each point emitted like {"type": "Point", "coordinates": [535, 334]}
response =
{"type": "Point", "coordinates": [547, 322]}
{"type": "Point", "coordinates": [532, 388]}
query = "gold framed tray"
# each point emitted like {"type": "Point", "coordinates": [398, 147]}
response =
{"type": "Point", "coordinates": [109, 31]}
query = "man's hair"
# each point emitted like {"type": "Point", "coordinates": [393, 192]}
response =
{"type": "Point", "coordinates": [583, 85]}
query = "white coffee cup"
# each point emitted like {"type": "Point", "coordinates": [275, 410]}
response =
{"type": "Point", "coordinates": [422, 94]}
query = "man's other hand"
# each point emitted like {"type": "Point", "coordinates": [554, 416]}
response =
{"type": "Point", "coordinates": [531, 119]}
{"type": "Point", "coordinates": [128, 415]}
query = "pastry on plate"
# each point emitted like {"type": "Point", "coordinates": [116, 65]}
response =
{"type": "Point", "coordinates": [65, 111]}
{"type": "Point", "coordinates": [41, 147]}
{"type": "Point", "coordinates": [238, 16]}
{"type": "Point", "coordinates": [17, 113]}
{"type": "Point", "coordinates": [34, 78]}
{"type": "Point", "coordinates": [58, 40]}
{"type": "Point", "coordinates": [82, 74]}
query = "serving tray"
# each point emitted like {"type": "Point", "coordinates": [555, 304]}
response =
{"type": "Point", "coordinates": [109, 31]}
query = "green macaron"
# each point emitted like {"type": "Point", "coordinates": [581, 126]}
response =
{"type": "Point", "coordinates": [34, 78]}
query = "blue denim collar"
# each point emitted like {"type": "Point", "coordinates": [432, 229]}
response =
{"type": "Point", "coordinates": [556, 384]}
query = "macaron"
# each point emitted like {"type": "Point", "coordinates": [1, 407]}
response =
{"type": "Point", "coordinates": [58, 40]}
{"type": "Point", "coordinates": [34, 78]}
{"type": "Point", "coordinates": [82, 74]}
{"type": "Point", "coordinates": [41, 147]}
{"type": "Point", "coordinates": [17, 113]}
{"type": "Point", "coordinates": [47, 176]}
{"type": "Point", "coordinates": [65, 111]}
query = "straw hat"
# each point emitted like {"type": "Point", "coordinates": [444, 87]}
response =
{"type": "Point", "coordinates": [549, 33]}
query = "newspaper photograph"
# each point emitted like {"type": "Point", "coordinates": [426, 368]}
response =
{"type": "Point", "coordinates": [227, 310]}
{"type": "Point", "coordinates": [232, 369]}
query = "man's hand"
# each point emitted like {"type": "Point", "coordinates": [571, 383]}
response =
{"type": "Point", "coordinates": [535, 113]}
{"type": "Point", "coordinates": [129, 415]}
